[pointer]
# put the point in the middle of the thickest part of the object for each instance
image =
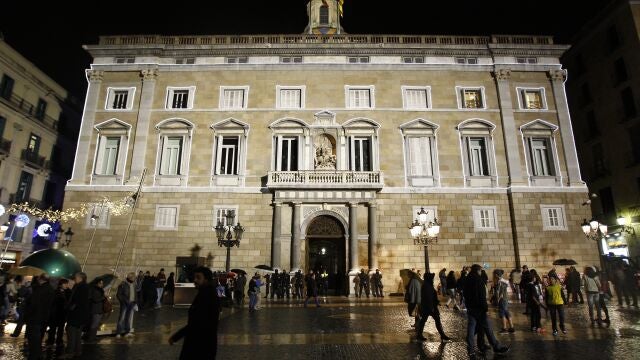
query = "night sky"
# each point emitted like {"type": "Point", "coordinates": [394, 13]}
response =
{"type": "Point", "coordinates": [52, 38]}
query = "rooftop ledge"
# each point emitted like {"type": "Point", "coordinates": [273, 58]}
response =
{"type": "Point", "coordinates": [304, 39]}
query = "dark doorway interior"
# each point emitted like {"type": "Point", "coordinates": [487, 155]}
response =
{"type": "Point", "coordinates": [326, 251]}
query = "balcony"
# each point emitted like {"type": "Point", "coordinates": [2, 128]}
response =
{"type": "Point", "coordinates": [28, 109]}
{"type": "Point", "coordinates": [5, 147]}
{"type": "Point", "coordinates": [322, 179]}
{"type": "Point", "coordinates": [19, 199]}
{"type": "Point", "coordinates": [33, 159]}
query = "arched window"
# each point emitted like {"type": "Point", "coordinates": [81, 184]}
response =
{"type": "Point", "coordinates": [324, 15]}
{"type": "Point", "coordinates": [478, 153]}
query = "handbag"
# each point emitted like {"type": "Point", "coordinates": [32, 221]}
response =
{"type": "Point", "coordinates": [106, 306]}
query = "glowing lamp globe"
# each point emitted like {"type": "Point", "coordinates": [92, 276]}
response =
{"type": "Point", "coordinates": [2, 210]}
{"type": "Point", "coordinates": [22, 220]}
{"type": "Point", "coordinates": [44, 230]}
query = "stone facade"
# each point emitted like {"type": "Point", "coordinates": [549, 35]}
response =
{"type": "Point", "coordinates": [361, 173]}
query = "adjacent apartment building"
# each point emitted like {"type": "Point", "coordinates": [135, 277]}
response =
{"type": "Point", "coordinates": [603, 91]}
{"type": "Point", "coordinates": [326, 145]}
{"type": "Point", "coordinates": [38, 132]}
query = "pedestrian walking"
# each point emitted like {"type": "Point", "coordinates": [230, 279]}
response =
{"type": "Point", "coordinates": [525, 280]}
{"type": "Point", "coordinates": [555, 302]}
{"type": "Point", "coordinates": [376, 284]}
{"type": "Point", "coordinates": [267, 282]}
{"type": "Point", "coordinates": [254, 292]}
{"type": "Point", "coordinates": [604, 296]}
{"type": "Point", "coordinates": [312, 288]}
{"type": "Point", "coordinates": [24, 293]}
{"type": "Point", "coordinates": [451, 290]}
{"type": "Point", "coordinates": [501, 294]}
{"type": "Point", "coordinates": [630, 285]}
{"type": "Point", "coordinates": [37, 313]}
{"type": "Point", "coordinates": [238, 289]}
{"type": "Point", "coordinates": [58, 315]}
{"type": "Point", "coordinates": [429, 307]}
{"type": "Point", "coordinates": [79, 315]}
{"type": "Point", "coordinates": [363, 284]}
{"type": "Point", "coordinates": [356, 284]}
{"type": "Point", "coordinates": [534, 300]}
{"type": "Point", "coordinates": [161, 280]}
{"type": "Point", "coordinates": [412, 296]}
{"type": "Point", "coordinates": [442, 276]}
{"type": "Point", "coordinates": [592, 286]}
{"type": "Point", "coordinates": [139, 294]}
{"type": "Point", "coordinates": [96, 299]}
{"type": "Point", "coordinates": [170, 287]}
{"type": "Point", "coordinates": [299, 284]}
{"type": "Point", "coordinates": [201, 332]}
{"type": "Point", "coordinates": [477, 308]}
{"type": "Point", "coordinates": [126, 296]}
{"type": "Point", "coordinates": [573, 286]}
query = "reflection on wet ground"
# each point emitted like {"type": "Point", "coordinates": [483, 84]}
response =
{"type": "Point", "coordinates": [359, 329]}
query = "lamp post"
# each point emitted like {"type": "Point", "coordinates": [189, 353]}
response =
{"type": "Point", "coordinates": [622, 221]}
{"type": "Point", "coordinates": [595, 231]}
{"type": "Point", "coordinates": [67, 237]}
{"type": "Point", "coordinates": [20, 221]}
{"type": "Point", "coordinates": [425, 232]}
{"type": "Point", "coordinates": [225, 234]}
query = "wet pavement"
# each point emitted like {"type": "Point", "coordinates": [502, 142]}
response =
{"type": "Point", "coordinates": [361, 329]}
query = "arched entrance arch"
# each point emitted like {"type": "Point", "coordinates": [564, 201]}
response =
{"type": "Point", "coordinates": [325, 235]}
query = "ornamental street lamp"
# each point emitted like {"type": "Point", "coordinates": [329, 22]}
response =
{"type": "Point", "coordinates": [225, 234]}
{"type": "Point", "coordinates": [622, 221]}
{"type": "Point", "coordinates": [425, 232]}
{"type": "Point", "coordinates": [595, 231]}
{"type": "Point", "coordinates": [67, 237]}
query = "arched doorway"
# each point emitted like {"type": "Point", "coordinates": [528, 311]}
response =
{"type": "Point", "coordinates": [326, 250]}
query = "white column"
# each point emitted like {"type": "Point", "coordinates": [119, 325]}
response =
{"type": "Point", "coordinates": [373, 236]}
{"type": "Point", "coordinates": [275, 235]}
{"type": "Point", "coordinates": [142, 126]}
{"type": "Point", "coordinates": [509, 131]}
{"type": "Point", "coordinates": [353, 238]}
{"type": "Point", "coordinates": [558, 78]}
{"type": "Point", "coordinates": [79, 175]}
{"type": "Point", "coordinates": [295, 237]}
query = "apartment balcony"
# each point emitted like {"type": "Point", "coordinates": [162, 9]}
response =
{"type": "Point", "coordinates": [33, 159]}
{"type": "Point", "coordinates": [28, 109]}
{"type": "Point", "coordinates": [325, 179]}
{"type": "Point", "coordinates": [5, 148]}
{"type": "Point", "coordinates": [16, 199]}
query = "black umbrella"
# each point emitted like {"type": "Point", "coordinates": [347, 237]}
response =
{"type": "Point", "coordinates": [264, 267]}
{"type": "Point", "coordinates": [107, 279]}
{"type": "Point", "coordinates": [239, 271]}
{"type": "Point", "coordinates": [565, 262]}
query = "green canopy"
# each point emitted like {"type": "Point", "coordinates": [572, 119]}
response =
{"type": "Point", "coordinates": [55, 262]}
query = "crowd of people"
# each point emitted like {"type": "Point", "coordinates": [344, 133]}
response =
{"type": "Point", "coordinates": [49, 307]}
{"type": "Point", "coordinates": [472, 291]}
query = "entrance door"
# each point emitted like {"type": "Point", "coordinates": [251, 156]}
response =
{"type": "Point", "coordinates": [326, 252]}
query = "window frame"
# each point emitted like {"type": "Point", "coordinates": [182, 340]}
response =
{"type": "Point", "coordinates": [478, 128]}
{"type": "Point", "coordinates": [245, 99]}
{"type": "Point", "coordinates": [170, 94]}
{"type": "Point", "coordinates": [460, 97]}
{"type": "Point", "coordinates": [41, 109]}
{"type": "Point", "coordinates": [562, 214]}
{"type": "Point", "coordinates": [226, 129]}
{"type": "Point", "coordinates": [478, 222]}
{"type": "Point", "coordinates": [540, 129]}
{"type": "Point", "coordinates": [405, 102]}
{"type": "Point", "coordinates": [372, 97]}
{"type": "Point", "coordinates": [520, 90]}
{"type": "Point", "coordinates": [174, 128]}
{"type": "Point", "coordinates": [420, 128]}
{"type": "Point", "coordinates": [156, 222]}
{"type": "Point", "coordinates": [131, 92]}
{"type": "Point", "coordinates": [217, 208]}
{"type": "Point", "coordinates": [104, 214]}
{"type": "Point", "coordinates": [111, 128]}
{"type": "Point", "coordinates": [236, 60]}
{"type": "Point", "coordinates": [358, 59]}
{"type": "Point", "coordinates": [280, 88]}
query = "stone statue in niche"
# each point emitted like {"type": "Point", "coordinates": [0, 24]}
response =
{"type": "Point", "coordinates": [325, 158]}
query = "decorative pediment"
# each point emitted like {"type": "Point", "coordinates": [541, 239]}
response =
{"type": "Point", "coordinates": [231, 125]}
{"type": "Point", "coordinates": [539, 126]}
{"type": "Point", "coordinates": [288, 123]}
{"type": "Point", "coordinates": [113, 124]}
{"type": "Point", "coordinates": [419, 126]}
{"type": "Point", "coordinates": [361, 123]}
{"type": "Point", "coordinates": [325, 118]}
{"type": "Point", "coordinates": [476, 126]}
{"type": "Point", "coordinates": [175, 124]}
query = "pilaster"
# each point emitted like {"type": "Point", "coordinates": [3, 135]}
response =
{"type": "Point", "coordinates": [80, 175]}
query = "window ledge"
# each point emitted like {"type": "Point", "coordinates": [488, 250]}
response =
{"type": "Point", "coordinates": [171, 180]}
{"type": "Point", "coordinates": [545, 180]}
{"type": "Point", "coordinates": [227, 180]}
{"type": "Point", "coordinates": [423, 181]}
{"type": "Point", "coordinates": [481, 181]}
{"type": "Point", "coordinates": [97, 179]}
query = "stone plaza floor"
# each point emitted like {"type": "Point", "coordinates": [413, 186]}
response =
{"type": "Point", "coordinates": [360, 329]}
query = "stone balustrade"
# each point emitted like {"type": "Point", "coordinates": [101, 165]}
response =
{"type": "Point", "coordinates": [325, 179]}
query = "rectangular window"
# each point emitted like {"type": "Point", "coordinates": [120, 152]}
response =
{"type": "Point", "coordinates": [360, 98]}
{"type": "Point", "coordinates": [237, 60]}
{"type": "Point", "coordinates": [532, 99]}
{"type": "Point", "coordinates": [186, 61]}
{"type": "Point", "coordinates": [324, 15]}
{"type": "Point", "coordinates": [553, 217]}
{"type": "Point", "coordinates": [233, 99]}
{"type": "Point", "coordinates": [420, 161]}
{"type": "Point", "coordinates": [620, 70]}
{"type": "Point", "coordinates": [478, 160]}
{"type": "Point", "coordinates": [228, 161]}
{"type": "Point", "coordinates": [592, 130]}
{"type": "Point", "coordinates": [413, 59]}
{"type": "Point", "coordinates": [471, 98]}
{"type": "Point", "coordinates": [526, 60]}
{"type": "Point", "coordinates": [288, 154]}
{"type": "Point", "coordinates": [125, 60]}
{"type": "Point", "coordinates": [606, 200]}
{"type": "Point", "coordinates": [33, 146]}
{"type": "Point", "coordinates": [484, 218]}
{"type": "Point", "coordinates": [358, 59]}
{"type": "Point", "coordinates": [110, 156]}
{"type": "Point", "coordinates": [3, 124]}
{"type": "Point", "coordinates": [416, 98]}
{"type": "Point", "coordinates": [98, 216]}
{"type": "Point", "coordinates": [598, 160]}
{"type": "Point", "coordinates": [6, 86]}
{"type": "Point", "coordinates": [120, 98]}
{"type": "Point", "coordinates": [634, 141]}
{"type": "Point", "coordinates": [178, 97]}
{"type": "Point", "coordinates": [541, 161]}
{"type": "Point", "coordinates": [171, 156]}
{"type": "Point", "coordinates": [361, 154]}
{"type": "Point", "coordinates": [291, 59]}
{"type": "Point", "coordinates": [221, 215]}
{"type": "Point", "coordinates": [24, 188]}
{"type": "Point", "coordinates": [41, 109]}
{"type": "Point", "coordinates": [290, 98]}
{"type": "Point", "coordinates": [167, 217]}
{"type": "Point", "coordinates": [628, 103]}
{"type": "Point", "coordinates": [466, 60]}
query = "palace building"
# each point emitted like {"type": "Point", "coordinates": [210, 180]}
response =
{"type": "Point", "coordinates": [326, 145]}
